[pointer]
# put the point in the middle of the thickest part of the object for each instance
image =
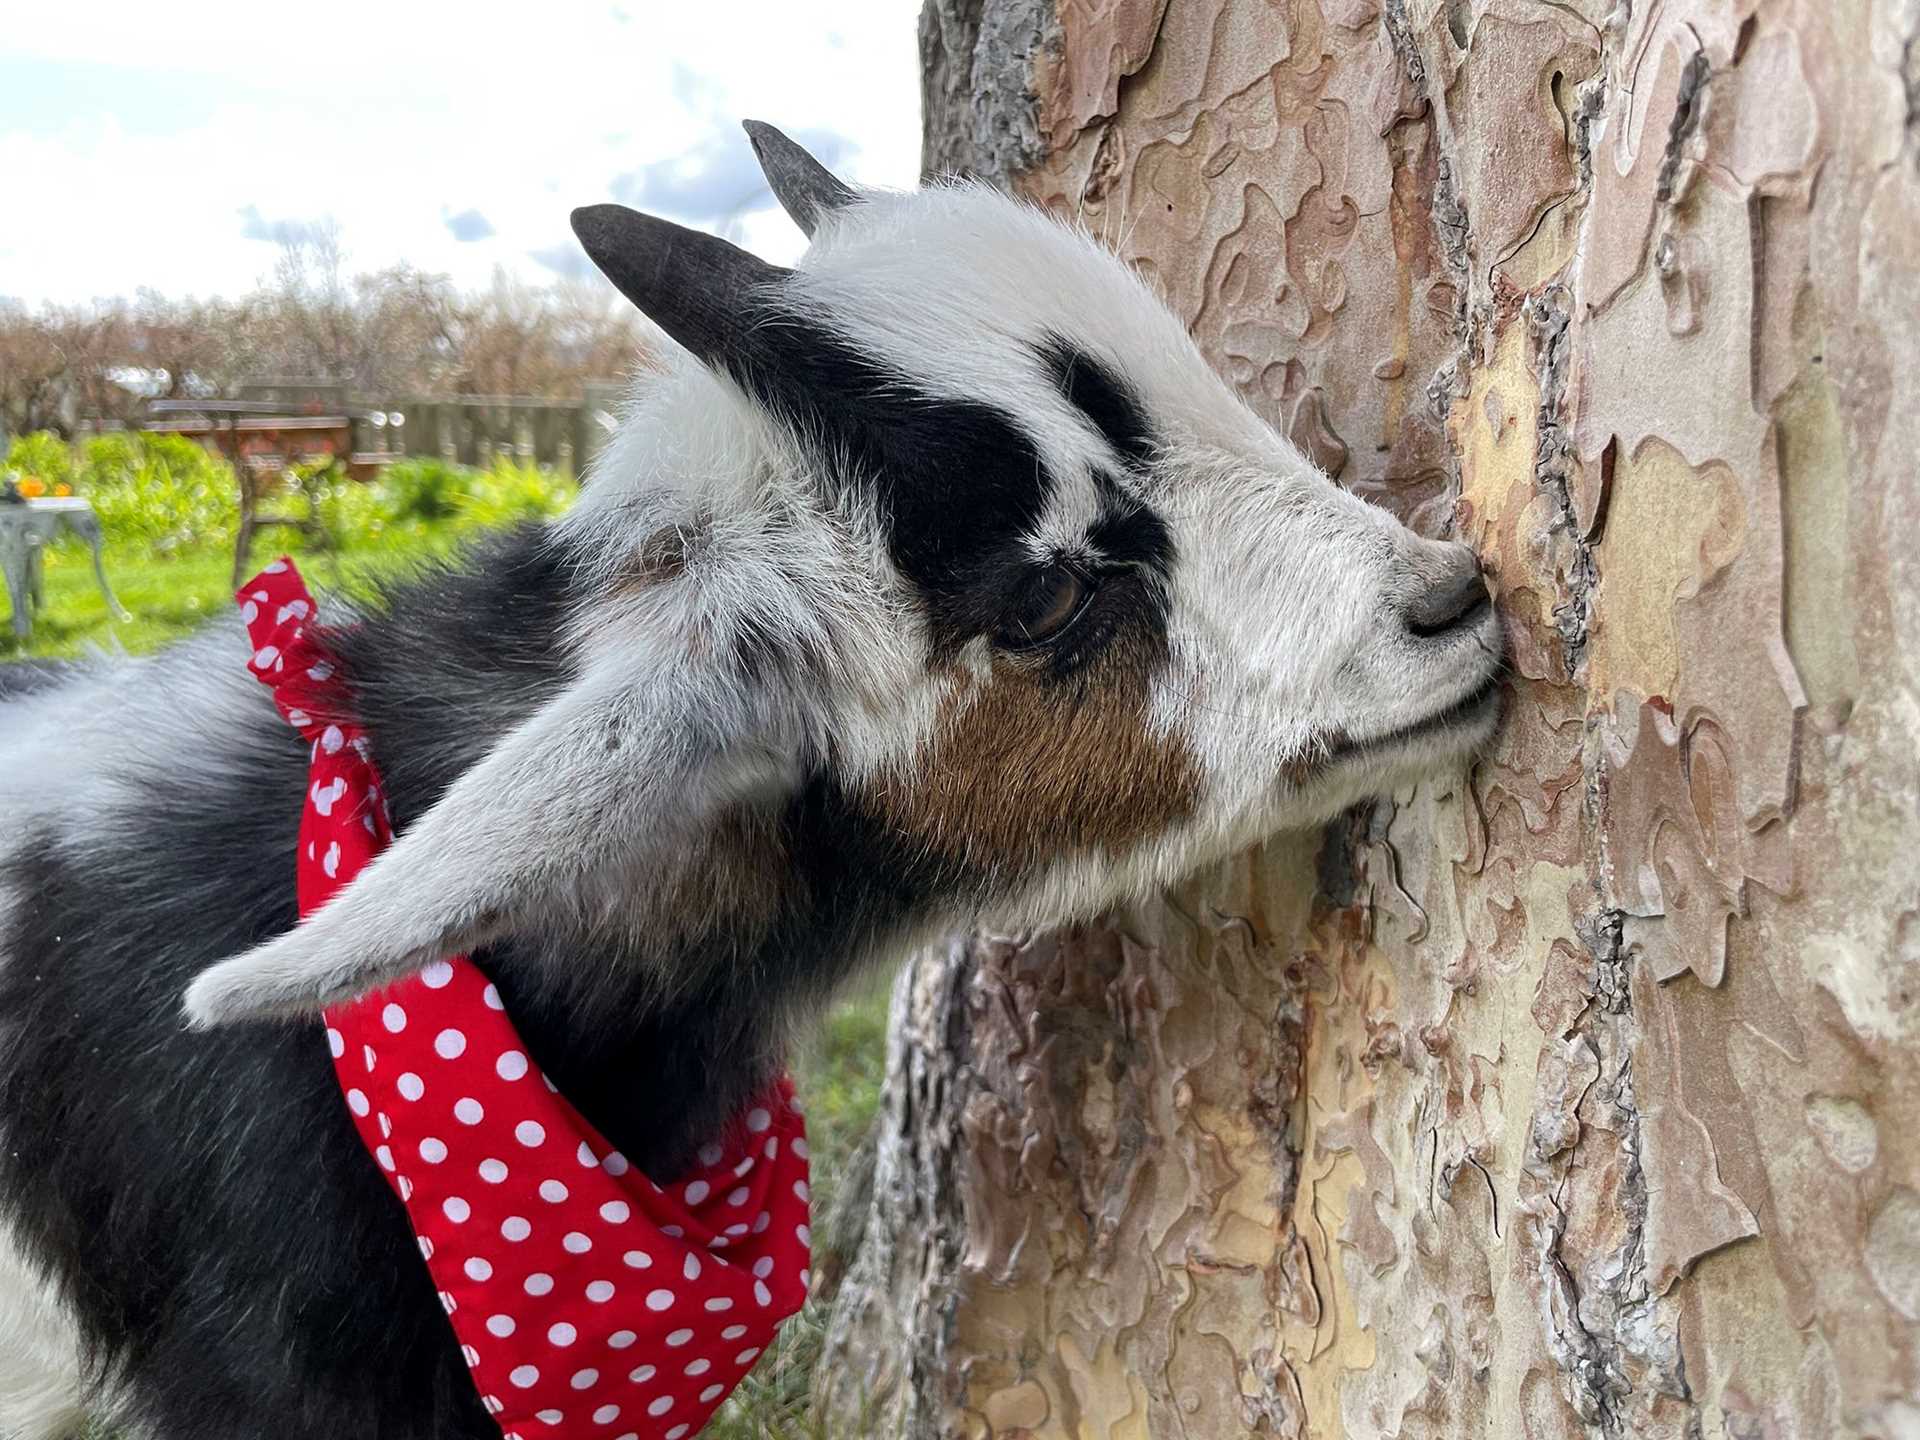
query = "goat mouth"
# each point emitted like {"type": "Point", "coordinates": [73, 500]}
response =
{"type": "Point", "coordinates": [1470, 711]}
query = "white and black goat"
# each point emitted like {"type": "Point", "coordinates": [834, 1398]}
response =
{"type": "Point", "coordinates": [936, 579]}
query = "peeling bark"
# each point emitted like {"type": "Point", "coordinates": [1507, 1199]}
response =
{"type": "Point", "coordinates": [1580, 1099]}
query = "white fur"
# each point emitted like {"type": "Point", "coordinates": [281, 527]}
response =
{"type": "Point", "coordinates": [41, 1386]}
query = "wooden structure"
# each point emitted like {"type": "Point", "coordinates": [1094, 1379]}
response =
{"type": "Point", "coordinates": [27, 527]}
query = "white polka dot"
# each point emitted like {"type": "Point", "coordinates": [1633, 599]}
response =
{"type": "Point", "coordinates": [733, 1332]}
{"type": "Point", "coordinates": [711, 1393]}
{"type": "Point", "coordinates": [761, 1293]}
{"type": "Point", "coordinates": [576, 1243]}
{"type": "Point", "coordinates": [588, 1160]}
{"type": "Point", "coordinates": [491, 997]}
{"type": "Point", "coordinates": [600, 1291]}
{"type": "Point", "coordinates": [552, 1191]}
{"type": "Point", "coordinates": [758, 1120]}
{"type": "Point", "coordinates": [638, 1260]}
{"type": "Point", "coordinates": [691, 1267]}
{"type": "Point", "coordinates": [386, 1125]}
{"type": "Point", "coordinates": [621, 1339]}
{"type": "Point", "coordinates": [746, 1357]}
{"type": "Point", "coordinates": [357, 1102]}
{"type": "Point", "coordinates": [479, 1269]}
{"type": "Point", "coordinates": [800, 1149]}
{"type": "Point", "coordinates": [763, 1267]}
{"type": "Point", "coordinates": [511, 1065]}
{"type": "Point", "coordinates": [367, 1057]}
{"type": "Point", "coordinates": [426, 1248]}
{"type": "Point", "coordinates": [615, 1164]}
{"type": "Point", "coordinates": [761, 1221]}
{"type": "Point", "coordinates": [679, 1337]}
{"type": "Point", "coordinates": [696, 1192]}
{"type": "Point", "coordinates": [493, 1171]}
{"type": "Point", "coordinates": [501, 1326]}
{"type": "Point", "coordinates": [450, 1044]}
{"type": "Point", "coordinates": [710, 1154]}
{"type": "Point", "coordinates": [549, 1417]}
{"type": "Point", "coordinates": [678, 1432]}
{"type": "Point", "coordinates": [394, 1018]}
{"type": "Point", "coordinates": [468, 1111]}
{"type": "Point", "coordinates": [470, 1355]}
{"type": "Point", "coordinates": [772, 1147]}
{"type": "Point", "coordinates": [718, 1304]}
{"type": "Point", "coordinates": [641, 1374]}
{"type": "Point", "coordinates": [606, 1415]}
{"type": "Point", "coordinates": [585, 1379]}
{"type": "Point", "coordinates": [738, 1195]}
{"type": "Point", "coordinates": [437, 975]}
{"type": "Point", "coordinates": [660, 1406]}
{"type": "Point", "coordinates": [800, 1191]}
{"type": "Point", "coordinates": [804, 1234]}
{"type": "Point", "coordinates": [736, 1231]}
{"type": "Point", "coordinates": [456, 1209]}
{"type": "Point", "coordinates": [699, 1367]}
{"type": "Point", "coordinates": [524, 1377]}
{"type": "Point", "coordinates": [433, 1151]}
{"type": "Point", "coordinates": [515, 1228]}
{"type": "Point", "coordinates": [530, 1133]}
{"type": "Point", "coordinates": [410, 1086]}
{"type": "Point", "coordinates": [405, 1187]}
{"type": "Point", "coordinates": [659, 1299]}
{"type": "Point", "coordinates": [615, 1212]}
{"type": "Point", "coordinates": [538, 1283]}
{"type": "Point", "coordinates": [385, 1157]}
{"type": "Point", "coordinates": [562, 1334]}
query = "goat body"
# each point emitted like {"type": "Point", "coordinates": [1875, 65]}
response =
{"type": "Point", "coordinates": [939, 579]}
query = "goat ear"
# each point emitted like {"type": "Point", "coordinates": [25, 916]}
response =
{"type": "Point", "coordinates": [579, 796]}
{"type": "Point", "coordinates": [805, 188]}
{"type": "Point", "coordinates": [695, 286]}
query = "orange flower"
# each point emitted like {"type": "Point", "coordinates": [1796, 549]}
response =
{"type": "Point", "coordinates": [62, 489]}
{"type": "Point", "coordinates": [33, 487]}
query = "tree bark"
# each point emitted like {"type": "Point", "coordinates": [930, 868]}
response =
{"type": "Point", "coordinates": [1577, 1093]}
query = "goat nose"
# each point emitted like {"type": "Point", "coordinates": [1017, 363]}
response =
{"type": "Point", "coordinates": [1452, 601]}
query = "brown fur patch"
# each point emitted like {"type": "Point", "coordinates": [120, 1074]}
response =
{"type": "Point", "coordinates": [663, 555]}
{"type": "Point", "coordinates": [1027, 767]}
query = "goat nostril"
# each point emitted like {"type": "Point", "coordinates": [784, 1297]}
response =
{"type": "Point", "coordinates": [1449, 604]}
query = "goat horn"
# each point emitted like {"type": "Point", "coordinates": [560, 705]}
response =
{"type": "Point", "coordinates": [693, 285]}
{"type": "Point", "coordinates": [805, 188]}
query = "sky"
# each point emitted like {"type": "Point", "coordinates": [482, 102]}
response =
{"type": "Point", "coordinates": [173, 146]}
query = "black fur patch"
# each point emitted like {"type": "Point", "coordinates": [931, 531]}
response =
{"type": "Point", "coordinates": [957, 483]}
{"type": "Point", "coordinates": [233, 1254]}
{"type": "Point", "coordinates": [1107, 401]}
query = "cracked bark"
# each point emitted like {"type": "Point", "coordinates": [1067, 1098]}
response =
{"type": "Point", "coordinates": [1625, 295]}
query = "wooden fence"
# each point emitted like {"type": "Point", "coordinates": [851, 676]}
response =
{"type": "Point", "coordinates": [469, 429]}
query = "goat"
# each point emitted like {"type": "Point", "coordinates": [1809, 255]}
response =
{"type": "Point", "coordinates": [936, 580]}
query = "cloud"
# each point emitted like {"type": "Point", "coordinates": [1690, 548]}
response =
{"type": "Point", "coordinates": [469, 225]}
{"type": "Point", "coordinates": [567, 260]}
{"type": "Point", "coordinates": [716, 181]}
{"type": "Point", "coordinates": [255, 226]}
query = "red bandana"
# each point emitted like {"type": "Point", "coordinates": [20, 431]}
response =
{"type": "Point", "coordinates": [588, 1301]}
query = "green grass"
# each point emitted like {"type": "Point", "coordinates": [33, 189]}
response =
{"type": "Point", "coordinates": [169, 556]}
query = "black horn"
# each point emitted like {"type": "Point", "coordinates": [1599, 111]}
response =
{"type": "Point", "coordinates": [697, 287]}
{"type": "Point", "coordinates": [805, 188]}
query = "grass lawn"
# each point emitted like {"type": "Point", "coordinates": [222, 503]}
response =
{"type": "Point", "coordinates": [837, 1074]}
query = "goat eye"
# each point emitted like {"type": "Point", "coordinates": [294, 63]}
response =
{"type": "Point", "coordinates": [1051, 602]}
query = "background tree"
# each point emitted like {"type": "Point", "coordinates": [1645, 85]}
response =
{"type": "Point", "coordinates": [1578, 1094]}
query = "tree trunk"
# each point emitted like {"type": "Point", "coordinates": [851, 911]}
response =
{"type": "Point", "coordinates": [1577, 1093]}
